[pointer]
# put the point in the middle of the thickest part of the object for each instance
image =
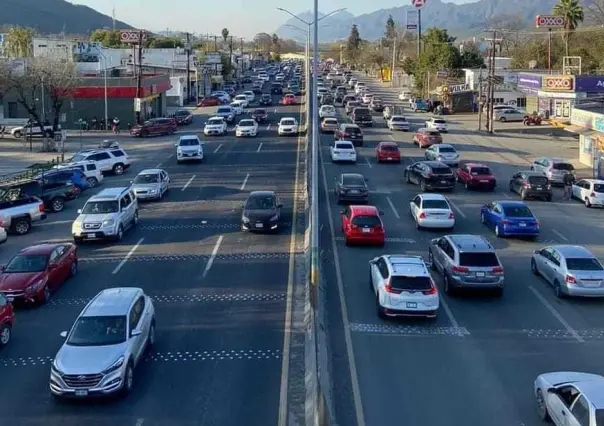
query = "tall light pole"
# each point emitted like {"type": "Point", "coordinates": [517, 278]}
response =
{"type": "Point", "coordinates": [102, 55]}
{"type": "Point", "coordinates": [306, 69]}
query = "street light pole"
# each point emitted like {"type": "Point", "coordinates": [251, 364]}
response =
{"type": "Point", "coordinates": [314, 181]}
{"type": "Point", "coordinates": [102, 55]}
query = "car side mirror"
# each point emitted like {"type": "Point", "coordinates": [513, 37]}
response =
{"type": "Point", "coordinates": [63, 334]}
{"type": "Point", "coordinates": [536, 251]}
{"type": "Point", "coordinates": [79, 211]}
{"type": "Point", "coordinates": [342, 211]}
{"type": "Point", "coordinates": [135, 333]}
{"type": "Point", "coordinates": [176, 145]}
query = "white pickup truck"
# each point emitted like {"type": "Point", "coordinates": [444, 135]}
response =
{"type": "Point", "coordinates": [33, 130]}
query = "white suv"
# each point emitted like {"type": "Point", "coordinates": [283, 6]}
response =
{"type": "Point", "coordinates": [93, 175]}
{"type": "Point", "coordinates": [215, 126]}
{"type": "Point", "coordinates": [189, 148]}
{"type": "Point", "coordinates": [109, 160]}
{"type": "Point", "coordinates": [105, 344]}
{"type": "Point", "coordinates": [403, 286]}
{"type": "Point", "coordinates": [106, 215]}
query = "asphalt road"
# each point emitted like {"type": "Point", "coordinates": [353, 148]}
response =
{"type": "Point", "coordinates": [228, 303]}
{"type": "Point", "coordinates": [476, 363]}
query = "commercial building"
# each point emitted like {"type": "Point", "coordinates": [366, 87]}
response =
{"type": "Point", "coordinates": [588, 123]}
{"type": "Point", "coordinates": [506, 83]}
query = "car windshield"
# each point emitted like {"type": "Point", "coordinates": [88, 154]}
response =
{"type": "Point", "coordinates": [353, 103]}
{"type": "Point", "coordinates": [246, 123]}
{"type": "Point", "coordinates": [564, 167]}
{"type": "Point", "coordinates": [344, 146]}
{"type": "Point", "coordinates": [480, 260]}
{"type": "Point", "coordinates": [261, 203]}
{"type": "Point", "coordinates": [147, 178]}
{"type": "Point", "coordinates": [441, 171]}
{"type": "Point", "coordinates": [411, 283]}
{"type": "Point", "coordinates": [330, 121]}
{"type": "Point", "coordinates": [363, 111]}
{"type": "Point", "coordinates": [98, 331]}
{"type": "Point", "coordinates": [517, 211]}
{"type": "Point", "coordinates": [433, 133]}
{"type": "Point", "coordinates": [240, 98]}
{"type": "Point", "coordinates": [366, 221]}
{"type": "Point", "coordinates": [214, 122]}
{"type": "Point", "coordinates": [583, 264]}
{"type": "Point", "coordinates": [189, 142]}
{"type": "Point", "coordinates": [287, 122]}
{"type": "Point", "coordinates": [101, 207]}
{"type": "Point", "coordinates": [181, 113]}
{"type": "Point", "coordinates": [440, 122]}
{"type": "Point", "coordinates": [447, 149]}
{"type": "Point", "coordinates": [353, 180]}
{"type": "Point", "coordinates": [266, 96]}
{"type": "Point", "coordinates": [480, 171]}
{"type": "Point", "coordinates": [435, 204]}
{"type": "Point", "coordinates": [27, 263]}
{"type": "Point", "coordinates": [398, 119]}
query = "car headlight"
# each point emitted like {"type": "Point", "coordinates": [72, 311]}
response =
{"type": "Point", "coordinates": [275, 217]}
{"type": "Point", "coordinates": [76, 226]}
{"type": "Point", "coordinates": [115, 366]}
{"type": "Point", "coordinates": [109, 222]}
{"type": "Point", "coordinates": [35, 286]}
{"type": "Point", "coordinates": [245, 219]}
{"type": "Point", "coordinates": [152, 191]}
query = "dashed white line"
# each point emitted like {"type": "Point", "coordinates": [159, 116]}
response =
{"type": "Point", "coordinates": [56, 222]}
{"type": "Point", "coordinates": [244, 182]}
{"type": "Point", "coordinates": [449, 314]}
{"type": "Point", "coordinates": [217, 148]}
{"type": "Point", "coordinates": [393, 208]}
{"type": "Point", "coordinates": [457, 209]}
{"type": "Point", "coordinates": [268, 127]}
{"type": "Point", "coordinates": [259, 147]}
{"type": "Point", "coordinates": [560, 235]}
{"type": "Point", "coordinates": [128, 256]}
{"type": "Point", "coordinates": [212, 257]}
{"type": "Point", "coordinates": [275, 111]}
{"type": "Point", "coordinates": [506, 195]}
{"type": "Point", "coordinates": [555, 313]}
{"type": "Point", "coordinates": [188, 183]}
{"type": "Point", "coordinates": [368, 162]}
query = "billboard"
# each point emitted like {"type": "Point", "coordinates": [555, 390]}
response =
{"type": "Point", "coordinates": [549, 21]}
{"type": "Point", "coordinates": [529, 80]}
{"type": "Point", "coordinates": [132, 36]}
{"type": "Point", "coordinates": [558, 83]}
{"type": "Point", "coordinates": [589, 83]}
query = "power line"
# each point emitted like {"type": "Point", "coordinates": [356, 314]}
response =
{"type": "Point", "coordinates": [545, 32]}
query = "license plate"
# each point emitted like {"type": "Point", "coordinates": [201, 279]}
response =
{"type": "Point", "coordinates": [259, 225]}
{"type": "Point", "coordinates": [443, 181]}
{"type": "Point", "coordinates": [354, 191]}
{"type": "Point", "coordinates": [390, 158]}
{"type": "Point", "coordinates": [484, 181]}
{"type": "Point", "coordinates": [522, 224]}
{"type": "Point", "coordinates": [10, 298]}
{"type": "Point", "coordinates": [81, 392]}
{"type": "Point", "coordinates": [480, 274]}
{"type": "Point", "coordinates": [90, 235]}
{"type": "Point", "coordinates": [412, 304]}
{"type": "Point", "coordinates": [366, 230]}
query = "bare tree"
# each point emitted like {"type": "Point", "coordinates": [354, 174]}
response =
{"type": "Point", "coordinates": [594, 12]}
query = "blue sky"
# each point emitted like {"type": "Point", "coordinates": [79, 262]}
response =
{"type": "Point", "coordinates": [244, 18]}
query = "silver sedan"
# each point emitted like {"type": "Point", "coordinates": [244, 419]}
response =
{"type": "Point", "coordinates": [571, 270]}
{"type": "Point", "coordinates": [151, 184]}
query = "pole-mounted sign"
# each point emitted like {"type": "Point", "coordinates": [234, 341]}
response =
{"type": "Point", "coordinates": [132, 36]}
{"type": "Point", "coordinates": [418, 3]}
{"type": "Point", "coordinates": [549, 21]}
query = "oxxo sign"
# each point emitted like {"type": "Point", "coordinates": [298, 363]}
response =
{"type": "Point", "coordinates": [558, 83]}
{"type": "Point", "coordinates": [549, 21]}
{"type": "Point", "coordinates": [131, 36]}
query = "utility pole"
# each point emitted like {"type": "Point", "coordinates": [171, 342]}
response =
{"type": "Point", "coordinates": [139, 74]}
{"type": "Point", "coordinates": [188, 52]}
{"type": "Point", "coordinates": [215, 43]}
{"type": "Point", "coordinates": [231, 53]}
{"type": "Point", "coordinates": [393, 62]}
{"type": "Point", "coordinates": [419, 32]}
{"type": "Point", "coordinates": [480, 102]}
{"type": "Point", "coordinates": [491, 84]}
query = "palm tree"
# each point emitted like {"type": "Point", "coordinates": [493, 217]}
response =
{"type": "Point", "coordinates": [225, 34]}
{"type": "Point", "coordinates": [573, 16]}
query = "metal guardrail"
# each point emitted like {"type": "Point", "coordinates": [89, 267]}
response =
{"type": "Point", "coordinates": [29, 172]}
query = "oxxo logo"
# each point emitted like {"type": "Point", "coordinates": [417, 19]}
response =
{"type": "Point", "coordinates": [560, 83]}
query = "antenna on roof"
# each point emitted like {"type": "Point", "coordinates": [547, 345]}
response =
{"type": "Point", "coordinates": [113, 17]}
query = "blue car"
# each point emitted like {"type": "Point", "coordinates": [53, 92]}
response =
{"type": "Point", "coordinates": [510, 218]}
{"type": "Point", "coordinates": [62, 176]}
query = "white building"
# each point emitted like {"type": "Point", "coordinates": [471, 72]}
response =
{"type": "Point", "coordinates": [506, 91]}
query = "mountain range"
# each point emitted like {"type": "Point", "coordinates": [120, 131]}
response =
{"type": "Point", "coordinates": [54, 16]}
{"type": "Point", "coordinates": [461, 20]}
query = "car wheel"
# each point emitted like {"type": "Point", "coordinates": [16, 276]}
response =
{"type": "Point", "coordinates": [371, 281]}
{"type": "Point", "coordinates": [502, 119]}
{"type": "Point", "coordinates": [407, 178]}
{"type": "Point", "coordinates": [467, 185]}
{"type": "Point", "coordinates": [5, 334]}
{"type": "Point", "coordinates": [120, 233]}
{"type": "Point", "coordinates": [57, 204]}
{"type": "Point", "coordinates": [448, 287]}
{"type": "Point", "coordinates": [17, 134]}
{"type": "Point", "coordinates": [483, 219]}
{"type": "Point", "coordinates": [558, 290]}
{"type": "Point", "coordinates": [534, 269]}
{"type": "Point", "coordinates": [498, 231]}
{"type": "Point", "coordinates": [128, 379]}
{"type": "Point", "coordinates": [151, 336]}
{"type": "Point", "coordinates": [45, 296]}
{"type": "Point", "coordinates": [135, 218]}
{"type": "Point", "coordinates": [431, 261]}
{"type": "Point", "coordinates": [73, 269]}
{"type": "Point", "coordinates": [587, 203]}
{"type": "Point", "coordinates": [118, 169]}
{"type": "Point", "coordinates": [523, 194]}
{"type": "Point", "coordinates": [21, 226]}
{"type": "Point", "coordinates": [92, 182]}
{"type": "Point", "coordinates": [541, 407]}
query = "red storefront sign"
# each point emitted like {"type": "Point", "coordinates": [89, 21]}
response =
{"type": "Point", "coordinates": [558, 83]}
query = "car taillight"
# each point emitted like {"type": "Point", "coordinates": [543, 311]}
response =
{"type": "Point", "coordinates": [460, 270]}
{"type": "Point", "coordinates": [433, 290]}
{"type": "Point", "coordinates": [389, 289]}
{"type": "Point", "coordinates": [41, 207]}
{"type": "Point", "coordinates": [505, 222]}
{"type": "Point", "coordinates": [354, 226]}
{"type": "Point", "coordinates": [527, 185]}
{"type": "Point", "coordinates": [344, 134]}
{"type": "Point", "coordinates": [570, 279]}
{"type": "Point", "coordinates": [1, 223]}
{"type": "Point", "coordinates": [593, 194]}
{"type": "Point", "coordinates": [497, 270]}
{"type": "Point", "coordinates": [422, 215]}
{"type": "Point", "coordinates": [451, 215]}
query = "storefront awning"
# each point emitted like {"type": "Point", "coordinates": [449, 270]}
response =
{"type": "Point", "coordinates": [580, 130]}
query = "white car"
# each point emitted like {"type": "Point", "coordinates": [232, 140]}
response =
{"type": "Point", "coordinates": [405, 96]}
{"type": "Point", "coordinates": [189, 148]}
{"type": "Point", "coordinates": [322, 91]}
{"type": "Point", "coordinates": [432, 211]}
{"type": "Point", "coordinates": [243, 100]}
{"type": "Point", "coordinates": [237, 107]}
{"type": "Point", "coordinates": [287, 126]}
{"type": "Point", "coordinates": [398, 122]}
{"type": "Point", "coordinates": [279, 77]}
{"type": "Point", "coordinates": [367, 98]}
{"type": "Point", "coordinates": [215, 126]}
{"type": "Point", "coordinates": [403, 286]}
{"type": "Point", "coordinates": [224, 97]}
{"type": "Point", "coordinates": [249, 95]}
{"type": "Point", "coordinates": [151, 184]}
{"type": "Point", "coordinates": [589, 191]}
{"type": "Point", "coordinates": [107, 160]}
{"type": "Point", "coordinates": [246, 127]}
{"type": "Point", "coordinates": [437, 124]}
{"type": "Point", "coordinates": [343, 151]}
{"type": "Point", "coordinates": [263, 76]}
{"type": "Point", "coordinates": [93, 174]}
{"type": "Point", "coordinates": [327, 111]}
{"type": "Point", "coordinates": [3, 235]}
{"type": "Point", "coordinates": [105, 344]}
{"type": "Point", "coordinates": [445, 153]}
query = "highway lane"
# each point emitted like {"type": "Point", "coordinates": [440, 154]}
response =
{"type": "Point", "coordinates": [476, 362]}
{"type": "Point", "coordinates": [221, 296]}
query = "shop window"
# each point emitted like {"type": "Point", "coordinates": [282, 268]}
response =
{"type": "Point", "coordinates": [521, 102]}
{"type": "Point", "coordinates": [498, 101]}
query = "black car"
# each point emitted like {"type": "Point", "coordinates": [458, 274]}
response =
{"type": "Point", "coordinates": [361, 116]}
{"type": "Point", "coordinates": [261, 212]}
{"type": "Point", "coordinates": [247, 79]}
{"type": "Point", "coordinates": [266, 99]}
{"type": "Point", "coordinates": [376, 105]}
{"type": "Point", "coordinates": [183, 117]}
{"type": "Point", "coordinates": [257, 91]}
{"type": "Point", "coordinates": [277, 89]}
{"type": "Point", "coordinates": [260, 115]}
{"type": "Point", "coordinates": [349, 132]}
{"type": "Point", "coordinates": [430, 175]}
{"type": "Point", "coordinates": [531, 185]}
{"type": "Point", "coordinates": [351, 187]}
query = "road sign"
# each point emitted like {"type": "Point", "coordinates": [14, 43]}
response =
{"type": "Point", "coordinates": [132, 36]}
{"type": "Point", "coordinates": [442, 74]}
{"type": "Point", "coordinates": [418, 3]}
{"type": "Point", "coordinates": [549, 21]}
{"type": "Point", "coordinates": [412, 19]}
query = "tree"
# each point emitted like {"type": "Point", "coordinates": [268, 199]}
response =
{"type": "Point", "coordinates": [471, 57]}
{"type": "Point", "coordinates": [276, 43]}
{"type": "Point", "coordinates": [263, 42]}
{"type": "Point", "coordinates": [595, 12]}
{"type": "Point", "coordinates": [573, 16]}
{"type": "Point", "coordinates": [18, 42]}
{"type": "Point", "coordinates": [166, 43]}
{"type": "Point", "coordinates": [108, 38]}
{"type": "Point", "coordinates": [227, 66]}
{"type": "Point", "coordinates": [353, 44]}
{"type": "Point", "coordinates": [390, 32]}
{"type": "Point", "coordinates": [225, 34]}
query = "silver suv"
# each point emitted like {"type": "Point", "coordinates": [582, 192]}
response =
{"type": "Point", "coordinates": [105, 344]}
{"type": "Point", "coordinates": [554, 168]}
{"type": "Point", "coordinates": [106, 215]}
{"type": "Point", "coordinates": [466, 262]}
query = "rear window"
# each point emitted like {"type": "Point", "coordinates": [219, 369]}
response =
{"type": "Point", "coordinates": [433, 133]}
{"type": "Point", "coordinates": [435, 204]}
{"type": "Point", "coordinates": [344, 146]}
{"type": "Point", "coordinates": [446, 149]}
{"type": "Point", "coordinates": [583, 264]}
{"type": "Point", "coordinates": [330, 121]}
{"type": "Point", "coordinates": [223, 111]}
{"type": "Point", "coordinates": [480, 171]}
{"type": "Point", "coordinates": [441, 171]}
{"type": "Point", "coordinates": [391, 148]}
{"type": "Point", "coordinates": [440, 121]}
{"type": "Point", "coordinates": [353, 103]}
{"type": "Point", "coordinates": [353, 180]}
{"type": "Point", "coordinates": [563, 166]}
{"type": "Point", "coordinates": [538, 180]}
{"type": "Point", "coordinates": [517, 211]}
{"type": "Point", "coordinates": [411, 283]}
{"type": "Point", "coordinates": [366, 221]}
{"type": "Point", "coordinates": [481, 260]}
{"type": "Point", "coordinates": [599, 188]}
{"type": "Point", "coordinates": [362, 111]}
{"type": "Point", "coordinates": [354, 130]}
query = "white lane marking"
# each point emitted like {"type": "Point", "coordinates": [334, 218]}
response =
{"type": "Point", "coordinates": [450, 315]}
{"type": "Point", "coordinates": [555, 313]}
{"type": "Point", "coordinates": [212, 257]}
{"type": "Point", "coordinates": [244, 182]}
{"type": "Point", "coordinates": [268, 127]}
{"type": "Point", "coordinates": [393, 208]}
{"type": "Point", "coordinates": [392, 138]}
{"type": "Point", "coordinates": [128, 256]}
{"type": "Point", "coordinates": [560, 235]}
{"type": "Point", "coordinates": [57, 222]}
{"type": "Point", "coordinates": [159, 165]}
{"type": "Point", "coordinates": [283, 392]}
{"type": "Point", "coordinates": [188, 183]}
{"type": "Point", "coordinates": [354, 379]}
{"type": "Point", "coordinates": [217, 148]}
{"type": "Point", "coordinates": [139, 422]}
{"type": "Point", "coordinates": [368, 162]}
{"type": "Point", "coordinates": [506, 195]}
{"type": "Point", "coordinates": [275, 111]}
{"type": "Point", "coordinates": [457, 209]}
{"type": "Point", "coordinates": [259, 147]}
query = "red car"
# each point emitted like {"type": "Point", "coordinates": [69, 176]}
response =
{"type": "Point", "coordinates": [388, 152]}
{"type": "Point", "coordinates": [37, 271]}
{"type": "Point", "coordinates": [425, 138]}
{"type": "Point", "coordinates": [209, 101]}
{"type": "Point", "coordinates": [476, 176]}
{"type": "Point", "coordinates": [7, 319]}
{"type": "Point", "coordinates": [363, 225]}
{"type": "Point", "coordinates": [155, 127]}
{"type": "Point", "coordinates": [288, 99]}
